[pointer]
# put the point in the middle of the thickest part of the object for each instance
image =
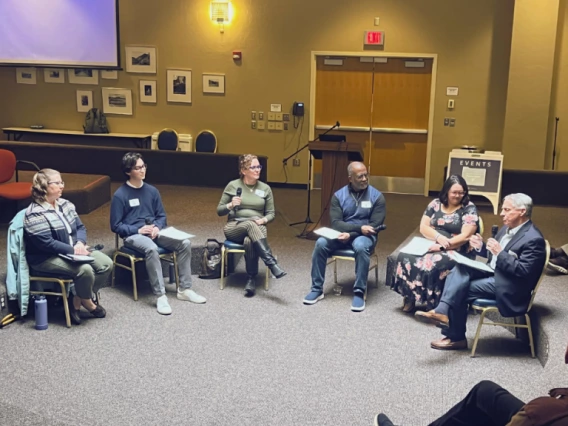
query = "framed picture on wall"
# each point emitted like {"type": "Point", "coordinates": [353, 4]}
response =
{"type": "Point", "coordinates": [54, 75]}
{"type": "Point", "coordinates": [214, 83]}
{"type": "Point", "coordinates": [26, 76]}
{"type": "Point", "coordinates": [83, 76]}
{"type": "Point", "coordinates": [84, 100]}
{"type": "Point", "coordinates": [109, 75]}
{"type": "Point", "coordinates": [148, 91]}
{"type": "Point", "coordinates": [141, 59]}
{"type": "Point", "coordinates": [117, 101]}
{"type": "Point", "coordinates": [179, 86]}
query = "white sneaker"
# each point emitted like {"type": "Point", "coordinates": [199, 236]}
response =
{"type": "Point", "coordinates": [190, 296]}
{"type": "Point", "coordinates": [163, 306]}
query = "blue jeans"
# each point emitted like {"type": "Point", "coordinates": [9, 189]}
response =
{"type": "Point", "coordinates": [463, 286]}
{"type": "Point", "coordinates": [363, 247]}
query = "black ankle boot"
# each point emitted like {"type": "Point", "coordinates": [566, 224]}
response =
{"type": "Point", "coordinates": [250, 287]}
{"type": "Point", "coordinates": [263, 250]}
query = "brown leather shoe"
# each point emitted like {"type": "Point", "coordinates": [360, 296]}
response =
{"type": "Point", "coordinates": [446, 344]}
{"type": "Point", "coordinates": [431, 317]}
{"type": "Point", "coordinates": [408, 305]}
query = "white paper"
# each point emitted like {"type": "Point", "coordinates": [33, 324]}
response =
{"type": "Point", "coordinates": [471, 263]}
{"type": "Point", "coordinates": [175, 234]}
{"type": "Point", "coordinates": [474, 177]}
{"type": "Point", "coordinates": [77, 257]}
{"type": "Point", "coordinates": [418, 246]}
{"type": "Point", "coordinates": [327, 233]}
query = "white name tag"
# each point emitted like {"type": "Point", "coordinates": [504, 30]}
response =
{"type": "Point", "coordinates": [134, 202]}
{"type": "Point", "coordinates": [259, 192]}
{"type": "Point", "coordinates": [366, 204]}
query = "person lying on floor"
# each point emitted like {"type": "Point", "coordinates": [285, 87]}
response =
{"type": "Point", "coordinates": [516, 254]}
{"type": "Point", "coordinates": [559, 259]}
{"type": "Point", "coordinates": [487, 403]}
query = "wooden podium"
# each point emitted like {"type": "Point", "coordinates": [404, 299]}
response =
{"type": "Point", "coordinates": [335, 157]}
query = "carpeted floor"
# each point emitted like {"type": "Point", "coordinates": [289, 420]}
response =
{"type": "Point", "coordinates": [268, 360]}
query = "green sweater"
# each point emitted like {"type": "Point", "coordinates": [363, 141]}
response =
{"type": "Point", "coordinates": [257, 202]}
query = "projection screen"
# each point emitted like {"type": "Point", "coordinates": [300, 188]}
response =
{"type": "Point", "coordinates": [62, 33]}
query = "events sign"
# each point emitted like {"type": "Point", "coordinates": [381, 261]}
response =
{"type": "Point", "coordinates": [482, 172]}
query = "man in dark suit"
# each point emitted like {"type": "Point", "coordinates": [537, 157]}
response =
{"type": "Point", "coordinates": [516, 254]}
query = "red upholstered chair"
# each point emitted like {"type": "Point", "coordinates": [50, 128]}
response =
{"type": "Point", "coordinates": [13, 190]}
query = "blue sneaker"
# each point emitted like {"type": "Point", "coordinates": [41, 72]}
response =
{"type": "Point", "coordinates": [313, 297]}
{"type": "Point", "coordinates": [358, 304]}
{"type": "Point", "coordinates": [382, 420]}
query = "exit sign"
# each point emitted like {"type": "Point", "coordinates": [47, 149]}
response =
{"type": "Point", "coordinates": [374, 38]}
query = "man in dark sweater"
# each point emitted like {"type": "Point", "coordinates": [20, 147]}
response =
{"type": "Point", "coordinates": [137, 215]}
{"type": "Point", "coordinates": [489, 404]}
{"type": "Point", "coordinates": [356, 210]}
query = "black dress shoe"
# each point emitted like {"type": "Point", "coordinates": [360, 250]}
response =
{"type": "Point", "coordinates": [250, 287]}
{"type": "Point", "coordinates": [98, 312]}
{"type": "Point", "coordinates": [74, 314]}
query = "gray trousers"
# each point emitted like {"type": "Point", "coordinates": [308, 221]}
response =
{"type": "Point", "coordinates": [87, 277]}
{"type": "Point", "coordinates": [149, 248]}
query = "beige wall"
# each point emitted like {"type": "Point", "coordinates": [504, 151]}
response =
{"type": "Point", "coordinates": [472, 40]}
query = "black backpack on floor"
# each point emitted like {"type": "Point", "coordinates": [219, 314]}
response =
{"type": "Point", "coordinates": [211, 260]}
{"type": "Point", "coordinates": [95, 122]}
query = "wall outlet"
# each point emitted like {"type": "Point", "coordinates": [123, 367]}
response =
{"type": "Point", "coordinates": [260, 125]}
{"type": "Point", "coordinates": [253, 115]}
{"type": "Point", "coordinates": [253, 124]}
{"type": "Point", "coordinates": [278, 116]}
{"type": "Point", "coordinates": [278, 126]}
{"type": "Point", "coordinates": [271, 125]}
{"type": "Point", "coordinates": [296, 162]}
{"type": "Point", "coordinates": [452, 122]}
{"type": "Point", "coordinates": [2, 301]}
{"type": "Point", "coordinates": [271, 116]}
{"type": "Point", "coordinates": [446, 121]}
{"type": "Point", "coordinates": [261, 115]}
{"type": "Point", "coordinates": [286, 117]}
{"type": "Point", "coordinates": [285, 126]}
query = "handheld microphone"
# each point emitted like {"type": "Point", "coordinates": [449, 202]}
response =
{"type": "Point", "coordinates": [494, 230]}
{"type": "Point", "coordinates": [239, 192]}
{"type": "Point", "coordinates": [97, 247]}
{"type": "Point", "coordinates": [380, 228]}
{"type": "Point", "coordinates": [148, 221]}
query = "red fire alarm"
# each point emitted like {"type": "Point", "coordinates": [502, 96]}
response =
{"type": "Point", "coordinates": [237, 55]}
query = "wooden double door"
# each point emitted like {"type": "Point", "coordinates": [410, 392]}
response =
{"type": "Point", "coordinates": [383, 105]}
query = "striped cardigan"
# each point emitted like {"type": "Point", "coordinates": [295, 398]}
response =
{"type": "Point", "coordinates": [45, 233]}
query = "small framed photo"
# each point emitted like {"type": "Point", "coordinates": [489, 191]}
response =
{"type": "Point", "coordinates": [214, 83]}
{"type": "Point", "coordinates": [141, 59]}
{"type": "Point", "coordinates": [179, 86]}
{"type": "Point", "coordinates": [148, 91]}
{"type": "Point", "coordinates": [26, 75]}
{"type": "Point", "coordinates": [84, 100]}
{"type": "Point", "coordinates": [83, 76]}
{"type": "Point", "coordinates": [109, 75]}
{"type": "Point", "coordinates": [54, 75]}
{"type": "Point", "coordinates": [117, 101]}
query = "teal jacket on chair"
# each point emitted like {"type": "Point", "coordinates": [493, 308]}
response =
{"type": "Point", "coordinates": [18, 275]}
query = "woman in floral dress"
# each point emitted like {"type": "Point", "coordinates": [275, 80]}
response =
{"type": "Point", "coordinates": [448, 221]}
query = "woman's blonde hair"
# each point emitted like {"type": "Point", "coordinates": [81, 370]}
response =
{"type": "Point", "coordinates": [40, 184]}
{"type": "Point", "coordinates": [245, 161]}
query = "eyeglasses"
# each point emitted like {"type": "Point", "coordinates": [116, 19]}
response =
{"type": "Point", "coordinates": [138, 168]}
{"type": "Point", "coordinates": [259, 167]}
{"type": "Point", "coordinates": [459, 193]}
{"type": "Point", "coordinates": [59, 182]}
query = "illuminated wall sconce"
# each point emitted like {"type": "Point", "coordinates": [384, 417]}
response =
{"type": "Point", "coordinates": [221, 12]}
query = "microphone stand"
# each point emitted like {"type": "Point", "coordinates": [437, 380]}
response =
{"type": "Point", "coordinates": [554, 147]}
{"type": "Point", "coordinates": [308, 220]}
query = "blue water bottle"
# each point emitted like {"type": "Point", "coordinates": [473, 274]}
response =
{"type": "Point", "coordinates": [40, 313]}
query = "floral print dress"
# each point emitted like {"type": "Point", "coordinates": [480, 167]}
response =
{"type": "Point", "coordinates": [422, 278]}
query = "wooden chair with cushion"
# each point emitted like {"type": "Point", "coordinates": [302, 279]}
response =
{"type": "Point", "coordinates": [206, 141]}
{"type": "Point", "coordinates": [168, 140]}
{"type": "Point", "coordinates": [490, 305]}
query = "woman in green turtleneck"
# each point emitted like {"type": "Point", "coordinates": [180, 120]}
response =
{"type": "Point", "coordinates": [250, 206]}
